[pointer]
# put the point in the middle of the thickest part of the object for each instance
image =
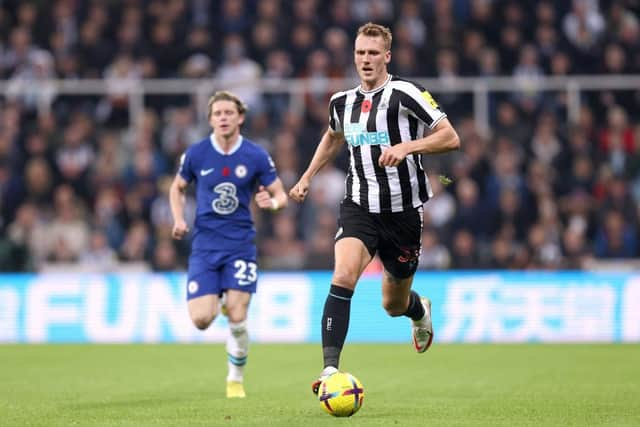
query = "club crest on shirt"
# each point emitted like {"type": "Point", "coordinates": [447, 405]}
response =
{"type": "Point", "coordinates": [192, 287]}
{"type": "Point", "coordinates": [241, 171]}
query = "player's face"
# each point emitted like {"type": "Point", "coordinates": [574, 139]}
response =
{"type": "Point", "coordinates": [371, 59]}
{"type": "Point", "coordinates": [225, 118]}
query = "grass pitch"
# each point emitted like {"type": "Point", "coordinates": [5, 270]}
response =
{"type": "Point", "coordinates": [459, 385]}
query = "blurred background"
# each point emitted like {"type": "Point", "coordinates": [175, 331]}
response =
{"type": "Point", "coordinates": [100, 98]}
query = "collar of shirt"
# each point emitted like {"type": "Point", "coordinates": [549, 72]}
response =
{"type": "Point", "coordinates": [382, 86]}
{"type": "Point", "coordinates": [234, 148]}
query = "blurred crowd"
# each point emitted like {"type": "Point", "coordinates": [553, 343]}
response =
{"type": "Point", "coordinates": [81, 182]}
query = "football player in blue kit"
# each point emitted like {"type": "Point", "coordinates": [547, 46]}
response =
{"type": "Point", "coordinates": [227, 169]}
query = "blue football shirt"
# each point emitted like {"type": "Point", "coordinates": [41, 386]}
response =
{"type": "Point", "coordinates": [225, 184]}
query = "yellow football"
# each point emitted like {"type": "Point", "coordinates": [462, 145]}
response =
{"type": "Point", "coordinates": [341, 394]}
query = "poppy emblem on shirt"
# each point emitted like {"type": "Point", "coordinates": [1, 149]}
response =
{"type": "Point", "coordinates": [225, 171]}
{"type": "Point", "coordinates": [366, 106]}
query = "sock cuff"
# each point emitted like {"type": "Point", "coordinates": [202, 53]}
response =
{"type": "Point", "coordinates": [340, 292]}
{"type": "Point", "coordinates": [237, 360]}
{"type": "Point", "coordinates": [415, 311]}
{"type": "Point", "coordinates": [237, 326]}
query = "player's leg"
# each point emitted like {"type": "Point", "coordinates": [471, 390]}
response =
{"type": "Point", "coordinates": [239, 278]}
{"type": "Point", "coordinates": [356, 241]}
{"type": "Point", "coordinates": [202, 291]}
{"type": "Point", "coordinates": [399, 251]}
{"type": "Point", "coordinates": [399, 300]}
{"type": "Point", "coordinates": [351, 258]}
{"type": "Point", "coordinates": [203, 310]}
{"type": "Point", "coordinates": [237, 304]}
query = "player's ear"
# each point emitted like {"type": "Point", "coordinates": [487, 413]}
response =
{"type": "Point", "coordinates": [241, 121]}
{"type": "Point", "coordinates": [387, 57]}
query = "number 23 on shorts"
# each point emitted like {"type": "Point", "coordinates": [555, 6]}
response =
{"type": "Point", "coordinates": [246, 272]}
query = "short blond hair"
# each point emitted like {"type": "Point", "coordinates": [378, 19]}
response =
{"type": "Point", "coordinates": [376, 30]}
{"type": "Point", "coordinates": [223, 95]}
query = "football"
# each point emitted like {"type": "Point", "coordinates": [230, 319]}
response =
{"type": "Point", "coordinates": [341, 394]}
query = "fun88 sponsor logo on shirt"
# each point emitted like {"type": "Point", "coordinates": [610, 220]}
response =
{"type": "Point", "coordinates": [356, 135]}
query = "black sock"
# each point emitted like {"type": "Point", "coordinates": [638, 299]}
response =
{"type": "Point", "coordinates": [335, 323]}
{"type": "Point", "coordinates": [415, 310]}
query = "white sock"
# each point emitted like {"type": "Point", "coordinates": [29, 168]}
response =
{"type": "Point", "coordinates": [328, 371]}
{"type": "Point", "coordinates": [237, 350]}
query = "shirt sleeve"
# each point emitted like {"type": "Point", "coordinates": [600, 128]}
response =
{"type": "Point", "coordinates": [267, 172]}
{"type": "Point", "coordinates": [334, 119]}
{"type": "Point", "coordinates": [185, 170]}
{"type": "Point", "coordinates": [420, 104]}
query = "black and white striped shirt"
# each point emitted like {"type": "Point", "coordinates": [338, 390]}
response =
{"type": "Point", "coordinates": [371, 122]}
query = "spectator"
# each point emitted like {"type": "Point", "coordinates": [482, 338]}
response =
{"type": "Point", "coordinates": [240, 73]}
{"type": "Point", "coordinates": [616, 238]}
{"type": "Point", "coordinates": [284, 250]}
{"type": "Point", "coordinates": [470, 210]}
{"type": "Point", "coordinates": [99, 256]}
{"type": "Point", "coordinates": [464, 253]}
{"type": "Point", "coordinates": [434, 255]}
{"type": "Point", "coordinates": [584, 25]}
{"type": "Point", "coordinates": [67, 235]}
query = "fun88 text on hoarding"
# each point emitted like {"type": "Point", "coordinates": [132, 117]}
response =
{"type": "Point", "coordinates": [467, 307]}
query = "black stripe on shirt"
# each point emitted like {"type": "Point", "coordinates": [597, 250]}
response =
{"type": "Point", "coordinates": [416, 108]}
{"type": "Point", "coordinates": [422, 178]}
{"type": "Point", "coordinates": [417, 159]}
{"type": "Point", "coordinates": [356, 109]}
{"type": "Point", "coordinates": [337, 106]}
{"type": "Point", "coordinates": [364, 187]}
{"type": "Point", "coordinates": [384, 195]}
{"type": "Point", "coordinates": [349, 184]}
{"type": "Point", "coordinates": [416, 84]}
{"type": "Point", "coordinates": [393, 119]}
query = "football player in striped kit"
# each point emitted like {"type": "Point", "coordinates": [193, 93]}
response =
{"type": "Point", "coordinates": [388, 123]}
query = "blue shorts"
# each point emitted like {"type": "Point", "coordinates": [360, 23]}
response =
{"type": "Point", "coordinates": [213, 272]}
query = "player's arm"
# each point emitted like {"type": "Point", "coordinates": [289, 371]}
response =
{"type": "Point", "coordinates": [272, 197]}
{"type": "Point", "coordinates": [442, 139]}
{"type": "Point", "coordinates": [177, 200]}
{"type": "Point", "coordinates": [327, 149]}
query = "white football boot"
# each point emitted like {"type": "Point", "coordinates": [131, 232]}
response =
{"type": "Point", "coordinates": [423, 329]}
{"type": "Point", "coordinates": [326, 372]}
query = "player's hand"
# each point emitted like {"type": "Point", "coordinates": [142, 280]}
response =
{"type": "Point", "coordinates": [263, 198]}
{"type": "Point", "coordinates": [393, 156]}
{"type": "Point", "coordinates": [299, 191]}
{"type": "Point", "coordinates": [180, 229]}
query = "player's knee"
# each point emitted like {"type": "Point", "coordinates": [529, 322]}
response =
{"type": "Point", "coordinates": [237, 313]}
{"type": "Point", "coordinates": [393, 308]}
{"type": "Point", "coordinates": [237, 317]}
{"type": "Point", "coordinates": [202, 321]}
{"type": "Point", "coordinates": [345, 278]}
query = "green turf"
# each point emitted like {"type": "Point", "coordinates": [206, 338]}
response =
{"type": "Point", "coordinates": [175, 385]}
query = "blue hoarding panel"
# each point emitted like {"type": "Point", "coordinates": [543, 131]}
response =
{"type": "Point", "coordinates": [467, 307]}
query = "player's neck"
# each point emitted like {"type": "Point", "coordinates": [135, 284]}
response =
{"type": "Point", "coordinates": [378, 83]}
{"type": "Point", "coordinates": [226, 143]}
